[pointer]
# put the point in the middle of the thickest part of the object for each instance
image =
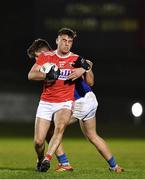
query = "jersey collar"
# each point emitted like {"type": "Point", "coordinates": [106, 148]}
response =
{"type": "Point", "coordinates": [65, 56]}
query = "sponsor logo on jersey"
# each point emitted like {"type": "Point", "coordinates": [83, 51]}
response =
{"type": "Point", "coordinates": [64, 73]}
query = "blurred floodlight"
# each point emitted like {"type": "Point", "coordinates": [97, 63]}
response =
{"type": "Point", "coordinates": [137, 109]}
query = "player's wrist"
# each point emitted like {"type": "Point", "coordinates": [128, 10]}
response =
{"type": "Point", "coordinates": [42, 74]}
{"type": "Point", "coordinates": [81, 62]}
{"type": "Point", "coordinates": [91, 64]}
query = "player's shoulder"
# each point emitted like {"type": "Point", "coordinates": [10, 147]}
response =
{"type": "Point", "coordinates": [48, 53]}
{"type": "Point", "coordinates": [44, 57]}
{"type": "Point", "coordinates": [73, 54]}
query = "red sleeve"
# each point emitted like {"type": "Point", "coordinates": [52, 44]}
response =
{"type": "Point", "coordinates": [42, 59]}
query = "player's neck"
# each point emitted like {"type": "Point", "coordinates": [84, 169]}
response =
{"type": "Point", "coordinates": [61, 55]}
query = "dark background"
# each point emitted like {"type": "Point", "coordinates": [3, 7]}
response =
{"type": "Point", "coordinates": [111, 33]}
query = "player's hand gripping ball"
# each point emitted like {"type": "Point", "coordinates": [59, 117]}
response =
{"type": "Point", "coordinates": [51, 70]}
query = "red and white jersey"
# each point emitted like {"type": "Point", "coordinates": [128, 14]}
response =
{"type": "Point", "coordinates": [61, 90]}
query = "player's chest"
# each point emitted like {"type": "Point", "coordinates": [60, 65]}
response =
{"type": "Point", "coordinates": [64, 63]}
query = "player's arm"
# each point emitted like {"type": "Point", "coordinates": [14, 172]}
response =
{"type": "Point", "coordinates": [86, 74]}
{"type": "Point", "coordinates": [81, 66]}
{"type": "Point", "coordinates": [35, 74]}
{"type": "Point", "coordinates": [89, 78]}
{"type": "Point", "coordinates": [89, 75]}
{"type": "Point", "coordinates": [77, 72]}
{"type": "Point", "coordinates": [48, 71]}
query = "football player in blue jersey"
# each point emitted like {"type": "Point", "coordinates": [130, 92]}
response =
{"type": "Point", "coordinates": [85, 107]}
{"type": "Point", "coordinates": [85, 111]}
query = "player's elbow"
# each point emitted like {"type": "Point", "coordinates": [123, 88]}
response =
{"type": "Point", "coordinates": [91, 83]}
{"type": "Point", "coordinates": [30, 76]}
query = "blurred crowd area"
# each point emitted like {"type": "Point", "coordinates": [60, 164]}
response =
{"type": "Point", "coordinates": [111, 33]}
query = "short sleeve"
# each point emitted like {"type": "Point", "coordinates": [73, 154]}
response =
{"type": "Point", "coordinates": [42, 59]}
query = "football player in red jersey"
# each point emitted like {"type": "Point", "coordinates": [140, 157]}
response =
{"type": "Point", "coordinates": [57, 97]}
{"type": "Point", "coordinates": [87, 122]}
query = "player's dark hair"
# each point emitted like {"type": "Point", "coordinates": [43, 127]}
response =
{"type": "Point", "coordinates": [67, 31]}
{"type": "Point", "coordinates": [36, 45]}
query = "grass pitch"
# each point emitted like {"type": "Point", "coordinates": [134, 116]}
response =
{"type": "Point", "coordinates": [18, 160]}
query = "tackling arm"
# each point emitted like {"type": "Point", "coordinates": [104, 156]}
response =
{"type": "Point", "coordinates": [88, 75]}
{"type": "Point", "coordinates": [89, 78]}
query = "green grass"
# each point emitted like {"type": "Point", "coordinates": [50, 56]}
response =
{"type": "Point", "coordinates": [17, 160]}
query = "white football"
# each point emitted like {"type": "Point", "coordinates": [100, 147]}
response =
{"type": "Point", "coordinates": [45, 68]}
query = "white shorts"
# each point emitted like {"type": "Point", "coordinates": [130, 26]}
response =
{"type": "Point", "coordinates": [46, 110]}
{"type": "Point", "coordinates": [85, 107]}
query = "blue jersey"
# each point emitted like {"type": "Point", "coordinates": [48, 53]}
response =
{"type": "Point", "coordinates": [81, 88]}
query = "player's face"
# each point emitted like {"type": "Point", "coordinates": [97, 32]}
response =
{"type": "Point", "coordinates": [64, 43]}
